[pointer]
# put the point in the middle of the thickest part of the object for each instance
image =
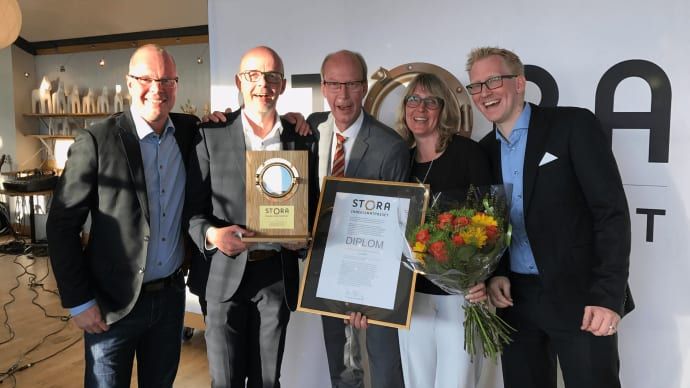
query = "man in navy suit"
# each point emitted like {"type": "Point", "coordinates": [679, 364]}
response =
{"type": "Point", "coordinates": [563, 283]}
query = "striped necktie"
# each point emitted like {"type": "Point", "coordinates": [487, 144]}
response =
{"type": "Point", "coordinates": [338, 168]}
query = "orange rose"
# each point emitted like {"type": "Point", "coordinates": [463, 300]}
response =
{"type": "Point", "coordinates": [438, 250]}
{"type": "Point", "coordinates": [423, 235]}
{"type": "Point", "coordinates": [444, 219]}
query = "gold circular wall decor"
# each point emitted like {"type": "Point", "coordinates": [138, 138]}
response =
{"type": "Point", "coordinates": [277, 178]}
{"type": "Point", "coordinates": [388, 81]}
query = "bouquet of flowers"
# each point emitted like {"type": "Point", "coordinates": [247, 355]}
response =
{"type": "Point", "coordinates": [458, 246]}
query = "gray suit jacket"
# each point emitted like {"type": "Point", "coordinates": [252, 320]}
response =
{"type": "Point", "coordinates": [216, 197]}
{"type": "Point", "coordinates": [378, 153]}
{"type": "Point", "coordinates": [104, 177]}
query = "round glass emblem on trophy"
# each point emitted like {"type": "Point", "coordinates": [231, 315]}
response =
{"type": "Point", "coordinates": [277, 178]}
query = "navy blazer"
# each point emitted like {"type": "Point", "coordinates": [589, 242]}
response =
{"type": "Point", "coordinates": [575, 209]}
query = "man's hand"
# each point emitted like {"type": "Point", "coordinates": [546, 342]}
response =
{"type": "Point", "coordinates": [477, 293]}
{"type": "Point", "coordinates": [228, 239]}
{"type": "Point", "coordinates": [600, 321]}
{"type": "Point", "coordinates": [294, 246]}
{"type": "Point", "coordinates": [216, 116]}
{"type": "Point", "coordinates": [301, 125]}
{"type": "Point", "coordinates": [90, 320]}
{"type": "Point", "coordinates": [499, 291]}
{"type": "Point", "coordinates": [357, 320]}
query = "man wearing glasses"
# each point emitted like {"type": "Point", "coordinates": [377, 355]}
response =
{"type": "Point", "coordinates": [251, 287]}
{"type": "Point", "coordinates": [126, 289]}
{"type": "Point", "coordinates": [354, 144]}
{"type": "Point", "coordinates": [563, 284]}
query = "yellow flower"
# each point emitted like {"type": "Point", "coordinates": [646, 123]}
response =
{"type": "Point", "coordinates": [474, 235]}
{"type": "Point", "coordinates": [419, 248]}
{"type": "Point", "coordinates": [484, 220]}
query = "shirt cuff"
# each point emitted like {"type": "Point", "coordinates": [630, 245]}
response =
{"type": "Point", "coordinates": [74, 311]}
{"type": "Point", "coordinates": [207, 245]}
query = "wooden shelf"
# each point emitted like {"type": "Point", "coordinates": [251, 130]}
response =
{"type": "Point", "coordinates": [56, 115]}
{"type": "Point", "coordinates": [51, 137]}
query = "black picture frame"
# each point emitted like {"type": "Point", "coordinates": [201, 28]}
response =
{"type": "Point", "coordinates": [399, 316]}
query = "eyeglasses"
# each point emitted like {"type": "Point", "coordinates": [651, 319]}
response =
{"type": "Point", "coordinates": [164, 82]}
{"type": "Point", "coordinates": [334, 86]}
{"type": "Point", "coordinates": [272, 77]}
{"type": "Point", "coordinates": [431, 103]}
{"type": "Point", "coordinates": [491, 83]}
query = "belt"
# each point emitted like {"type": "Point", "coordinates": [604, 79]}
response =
{"type": "Point", "coordinates": [162, 283]}
{"type": "Point", "coordinates": [259, 255]}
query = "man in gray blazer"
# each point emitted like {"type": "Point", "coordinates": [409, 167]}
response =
{"type": "Point", "coordinates": [125, 289]}
{"type": "Point", "coordinates": [372, 151]}
{"type": "Point", "coordinates": [251, 287]}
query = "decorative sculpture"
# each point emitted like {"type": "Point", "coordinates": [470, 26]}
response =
{"type": "Point", "coordinates": [88, 103]}
{"type": "Point", "coordinates": [103, 104]}
{"type": "Point", "coordinates": [41, 96]}
{"type": "Point", "coordinates": [59, 100]}
{"type": "Point", "coordinates": [118, 102]}
{"type": "Point", "coordinates": [73, 104]}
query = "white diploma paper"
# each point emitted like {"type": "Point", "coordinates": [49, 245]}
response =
{"type": "Point", "coordinates": [362, 256]}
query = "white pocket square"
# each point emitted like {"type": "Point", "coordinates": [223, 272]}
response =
{"type": "Point", "coordinates": [547, 158]}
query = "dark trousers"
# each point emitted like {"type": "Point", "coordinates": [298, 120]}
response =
{"type": "Point", "coordinates": [151, 331]}
{"type": "Point", "coordinates": [344, 363]}
{"type": "Point", "coordinates": [546, 330]}
{"type": "Point", "coordinates": [245, 336]}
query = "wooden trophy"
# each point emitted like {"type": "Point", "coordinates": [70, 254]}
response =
{"type": "Point", "coordinates": [277, 196]}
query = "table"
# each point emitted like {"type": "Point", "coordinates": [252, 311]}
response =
{"type": "Point", "coordinates": [30, 194]}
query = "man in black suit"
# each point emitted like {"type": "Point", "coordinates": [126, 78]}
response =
{"type": "Point", "coordinates": [563, 285]}
{"type": "Point", "coordinates": [251, 288]}
{"type": "Point", "coordinates": [125, 289]}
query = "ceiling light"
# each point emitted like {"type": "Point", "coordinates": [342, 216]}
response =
{"type": "Point", "coordinates": [101, 63]}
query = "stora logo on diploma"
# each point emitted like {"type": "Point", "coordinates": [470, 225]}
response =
{"type": "Point", "coordinates": [370, 207]}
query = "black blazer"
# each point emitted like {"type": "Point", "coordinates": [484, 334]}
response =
{"type": "Point", "coordinates": [576, 213]}
{"type": "Point", "coordinates": [216, 197]}
{"type": "Point", "coordinates": [104, 177]}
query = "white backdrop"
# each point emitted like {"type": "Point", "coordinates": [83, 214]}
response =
{"type": "Point", "coordinates": [576, 42]}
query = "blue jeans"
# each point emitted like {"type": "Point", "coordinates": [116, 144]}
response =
{"type": "Point", "coordinates": [151, 331]}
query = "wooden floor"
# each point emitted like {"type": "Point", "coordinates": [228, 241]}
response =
{"type": "Point", "coordinates": [63, 351]}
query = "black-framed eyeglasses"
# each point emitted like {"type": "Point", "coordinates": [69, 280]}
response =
{"type": "Point", "coordinates": [431, 103]}
{"type": "Point", "coordinates": [147, 81]}
{"type": "Point", "coordinates": [491, 83]}
{"type": "Point", "coordinates": [334, 86]}
{"type": "Point", "coordinates": [272, 77]}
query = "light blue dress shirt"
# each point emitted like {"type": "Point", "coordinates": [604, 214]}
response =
{"type": "Point", "coordinates": [165, 182]}
{"type": "Point", "coordinates": [512, 166]}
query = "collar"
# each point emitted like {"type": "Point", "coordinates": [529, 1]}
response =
{"type": "Point", "coordinates": [522, 123]}
{"type": "Point", "coordinates": [247, 127]}
{"type": "Point", "coordinates": [354, 128]}
{"type": "Point", "coordinates": [144, 129]}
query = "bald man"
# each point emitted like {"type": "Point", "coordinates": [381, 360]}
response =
{"type": "Point", "coordinates": [251, 289]}
{"type": "Point", "coordinates": [125, 289]}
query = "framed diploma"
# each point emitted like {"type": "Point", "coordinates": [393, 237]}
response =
{"type": "Point", "coordinates": [355, 259]}
{"type": "Point", "coordinates": [277, 196]}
